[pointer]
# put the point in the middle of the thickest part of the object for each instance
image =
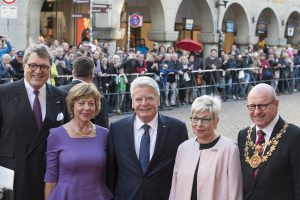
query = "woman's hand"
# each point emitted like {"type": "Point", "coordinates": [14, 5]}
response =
{"type": "Point", "coordinates": [49, 187]}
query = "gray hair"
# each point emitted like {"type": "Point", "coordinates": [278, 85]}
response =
{"type": "Point", "coordinates": [41, 50]}
{"type": "Point", "coordinates": [207, 103]}
{"type": "Point", "coordinates": [144, 81]}
{"type": "Point", "coordinates": [6, 56]}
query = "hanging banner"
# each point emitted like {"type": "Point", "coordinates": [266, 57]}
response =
{"type": "Point", "coordinates": [136, 20]}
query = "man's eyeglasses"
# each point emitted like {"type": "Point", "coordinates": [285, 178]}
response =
{"type": "Point", "coordinates": [34, 66]}
{"type": "Point", "coordinates": [252, 107]}
{"type": "Point", "coordinates": [196, 120]}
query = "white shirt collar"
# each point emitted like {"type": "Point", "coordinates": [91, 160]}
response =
{"type": "Point", "coordinates": [30, 89]}
{"type": "Point", "coordinates": [153, 123]}
{"type": "Point", "coordinates": [269, 129]}
{"type": "Point", "coordinates": [76, 79]}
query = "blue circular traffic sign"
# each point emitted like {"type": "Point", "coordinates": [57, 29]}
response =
{"type": "Point", "coordinates": [135, 20]}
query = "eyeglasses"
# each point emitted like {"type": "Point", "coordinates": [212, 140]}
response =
{"type": "Point", "coordinates": [252, 107]}
{"type": "Point", "coordinates": [34, 66]}
{"type": "Point", "coordinates": [196, 120]}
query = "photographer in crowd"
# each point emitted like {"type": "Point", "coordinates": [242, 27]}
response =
{"type": "Point", "coordinates": [4, 49]}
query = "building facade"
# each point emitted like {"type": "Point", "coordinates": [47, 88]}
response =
{"type": "Point", "coordinates": [215, 23]}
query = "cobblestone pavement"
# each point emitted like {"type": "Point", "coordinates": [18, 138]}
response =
{"type": "Point", "coordinates": [234, 117]}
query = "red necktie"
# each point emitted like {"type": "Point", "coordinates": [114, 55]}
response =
{"type": "Point", "coordinates": [260, 141]}
{"type": "Point", "coordinates": [261, 137]}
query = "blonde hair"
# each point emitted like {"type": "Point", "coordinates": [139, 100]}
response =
{"type": "Point", "coordinates": [81, 91]}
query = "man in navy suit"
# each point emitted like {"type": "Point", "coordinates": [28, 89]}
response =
{"type": "Point", "coordinates": [23, 132]}
{"type": "Point", "coordinates": [269, 150]}
{"type": "Point", "coordinates": [141, 160]}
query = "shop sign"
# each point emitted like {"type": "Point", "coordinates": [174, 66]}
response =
{"type": "Point", "coordinates": [136, 20]}
{"type": "Point", "coordinates": [9, 12]}
{"type": "Point", "coordinates": [101, 8]}
{"type": "Point", "coordinates": [290, 31]}
{"type": "Point", "coordinates": [261, 27]}
{"type": "Point", "coordinates": [9, 1]}
{"type": "Point", "coordinates": [188, 23]}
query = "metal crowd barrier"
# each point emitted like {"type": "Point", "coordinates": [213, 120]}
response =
{"type": "Point", "coordinates": [290, 81]}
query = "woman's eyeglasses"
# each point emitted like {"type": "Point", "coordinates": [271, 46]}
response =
{"type": "Point", "coordinates": [196, 120]}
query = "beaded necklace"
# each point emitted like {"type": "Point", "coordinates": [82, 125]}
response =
{"type": "Point", "coordinates": [90, 133]}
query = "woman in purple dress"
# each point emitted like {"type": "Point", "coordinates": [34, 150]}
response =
{"type": "Point", "coordinates": [76, 157]}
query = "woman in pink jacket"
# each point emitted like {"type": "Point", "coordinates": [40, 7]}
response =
{"type": "Point", "coordinates": [208, 166]}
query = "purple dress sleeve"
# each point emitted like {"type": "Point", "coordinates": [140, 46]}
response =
{"type": "Point", "coordinates": [52, 159]}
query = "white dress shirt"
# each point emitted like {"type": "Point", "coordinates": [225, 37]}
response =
{"type": "Point", "coordinates": [139, 131]}
{"type": "Point", "coordinates": [268, 129]}
{"type": "Point", "coordinates": [42, 97]}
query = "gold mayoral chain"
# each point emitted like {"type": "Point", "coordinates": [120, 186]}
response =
{"type": "Point", "coordinates": [256, 159]}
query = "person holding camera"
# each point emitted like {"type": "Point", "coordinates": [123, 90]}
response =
{"type": "Point", "coordinates": [6, 70]}
{"type": "Point", "coordinates": [62, 66]}
{"type": "Point", "coordinates": [4, 50]}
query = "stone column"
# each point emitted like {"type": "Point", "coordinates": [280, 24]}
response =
{"type": "Point", "coordinates": [109, 35]}
{"type": "Point", "coordinates": [163, 37]}
{"type": "Point", "coordinates": [243, 42]}
{"type": "Point", "coordinates": [276, 41]}
{"type": "Point", "coordinates": [210, 41]}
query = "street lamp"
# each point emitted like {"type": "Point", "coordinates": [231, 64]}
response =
{"type": "Point", "coordinates": [218, 5]}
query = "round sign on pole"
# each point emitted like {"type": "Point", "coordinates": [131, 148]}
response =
{"type": "Point", "coordinates": [9, 1]}
{"type": "Point", "coordinates": [136, 20]}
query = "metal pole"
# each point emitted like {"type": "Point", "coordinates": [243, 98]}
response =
{"type": "Point", "coordinates": [128, 33]}
{"type": "Point", "coordinates": [74, 29]}
{"type": "Point", "coordinates": [91, 24]}
{"type": "Point", "coordinates": [7, 26]}
{"type": "Point", "coordinates": [218, 28]}
{"type": "Point", "coordinates": [56, 15]}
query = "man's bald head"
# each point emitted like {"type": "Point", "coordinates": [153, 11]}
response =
{"type": "Point", "coordinates": [264, 88]}
{"type": "Point", "coordinates": [262, 104]}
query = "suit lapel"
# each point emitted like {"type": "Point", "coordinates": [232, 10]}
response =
{"type": "Point", "coordinates": [160, 139]}
{"type": "Point", "coordinates": [277, 128]}
{"type": "Point", "coordinates": [53, 103]}
{"type": "Point", "coordinates": [129, 135]}
{"type": "Point", "coordinates": [28, 122]}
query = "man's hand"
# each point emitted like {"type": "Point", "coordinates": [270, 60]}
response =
{"type": "Point", "coordinates": [9, 67]}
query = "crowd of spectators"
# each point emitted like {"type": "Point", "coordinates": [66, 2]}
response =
{"type": "Point", "coordinates": [181, 75]}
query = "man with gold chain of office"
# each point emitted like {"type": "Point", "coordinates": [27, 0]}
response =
{"type": "Point", "coordinates": [269, 150]}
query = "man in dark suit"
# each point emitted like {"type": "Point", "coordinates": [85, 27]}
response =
{"type": "Point", "coordinates": [269, 150]}
{"type": "Point", "coordinates": [83, 68]}
{"type": "Point", "coordinates": [142, 147]}
{"type": "Point", "coordinates": [28, 109]}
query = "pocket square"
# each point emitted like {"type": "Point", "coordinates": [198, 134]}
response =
{"type": "Point", "coordinates": [60, 116]}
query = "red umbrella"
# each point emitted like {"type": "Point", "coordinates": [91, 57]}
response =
{"type": "Point", "coordinates": [188, 45]}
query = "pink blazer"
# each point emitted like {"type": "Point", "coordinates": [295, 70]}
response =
{"type": "Point", "coordinates": [219, 173]}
